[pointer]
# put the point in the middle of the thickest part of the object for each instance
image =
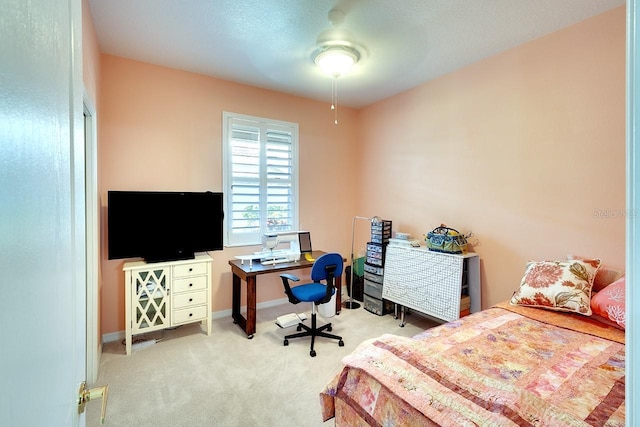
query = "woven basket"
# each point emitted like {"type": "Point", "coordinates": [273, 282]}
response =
{"type": "Point", "coordinates": [446, 239]}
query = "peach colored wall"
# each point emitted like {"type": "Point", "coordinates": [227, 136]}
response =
{"type": "Point", "coordinates": [526, 149]}
{"type": "Point", "coordinates": [160, 129]}
{"type": "Point", "coordinates": [90, 54]}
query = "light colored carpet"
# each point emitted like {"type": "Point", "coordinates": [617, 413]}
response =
{"type": "Point", "coordinates": [189, 379]}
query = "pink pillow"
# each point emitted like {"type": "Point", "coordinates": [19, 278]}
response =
{"type": "Point", "coordinates": [605, 276]}
{"type": "Point", "coordinates": [609, 302]}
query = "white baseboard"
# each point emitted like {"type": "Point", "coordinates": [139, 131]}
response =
{"type": "Point", "coordinates": [119, 335]}
{"type": "Point", "coordinates": [227, 313]}
{"type": "Point", "coordinates": [112, 336]}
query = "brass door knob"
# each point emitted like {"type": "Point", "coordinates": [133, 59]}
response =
{"type": "Point", "coordinates": [85, 395]}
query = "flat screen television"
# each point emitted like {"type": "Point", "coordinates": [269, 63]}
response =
{"type": "Point", "coordinates": [163, 226]}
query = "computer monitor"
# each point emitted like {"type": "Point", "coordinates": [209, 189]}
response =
{"type": "Point", "coordinates": [304, 238]}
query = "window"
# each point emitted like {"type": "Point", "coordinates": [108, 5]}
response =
{"type": "Point", "coordinates": [260, 177]}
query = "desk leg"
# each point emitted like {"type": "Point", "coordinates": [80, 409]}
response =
{"type": "Point", "coordinates": [248, 325]}
{"type": "Point", "coordinates": [338, 294]}
{"type": "Point", "coordinates": [251, 306]}
{"type": "Point", "coordinates": [235, 306]}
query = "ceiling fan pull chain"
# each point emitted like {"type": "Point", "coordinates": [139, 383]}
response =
{"type": "Point", "coordinates": [333, 94]}
{"type": "Point", "coordinates": [335, 100]}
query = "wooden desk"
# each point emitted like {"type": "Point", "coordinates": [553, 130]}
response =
{"type": "Point", "coordinates": [250, 273]}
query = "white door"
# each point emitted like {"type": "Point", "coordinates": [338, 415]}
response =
{"type": "Point", "coordinates": [42, 221]}
{"type": "Point", "coordinates": [94, 344]}
{"type": "Point", "coordinates": [633, 211]}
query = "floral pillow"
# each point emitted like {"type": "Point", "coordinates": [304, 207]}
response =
{"type": "Point", "coordinates": [605, 275]}
{"type": "Point", "coordinates": [609, 302]}
{"type": "Point", "coordinates": [558, 285]}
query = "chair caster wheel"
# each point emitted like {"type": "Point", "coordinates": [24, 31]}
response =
{"type": "Point", "coordinates": [298, 328]}
{"type": "Point", "coordinates": [312, 353]}
{"type": "Point", "coordinates": [340, 343]}
{"type": "Point", "coordinates": [286, 343]}
{"type": "Point", "coordinates": [329, 328]}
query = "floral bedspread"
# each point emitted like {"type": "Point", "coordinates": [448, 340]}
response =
{"type": "Point", "coordinates": [493, 368]}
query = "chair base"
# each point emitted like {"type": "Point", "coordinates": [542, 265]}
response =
{"type": "Point", "coordinates": [314, 332]}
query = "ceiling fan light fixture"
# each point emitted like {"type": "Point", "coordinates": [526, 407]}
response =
{"type": "Point", "coordinates": [335, 54]}
{"type": "Point", "coordinates": [337, 60]}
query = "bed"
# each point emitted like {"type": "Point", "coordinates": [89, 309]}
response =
{"type": "Point", "coordinates": [507, 365]}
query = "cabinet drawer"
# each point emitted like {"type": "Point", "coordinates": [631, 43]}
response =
{"type": "Point", "coordinates": [373, 289]}
{"type": "Point", "coordinates": [189, 284]}
{"type": "Point", "coordinates": [190, 269]}
{"type": "Point", "coordinates": [189, 299]}
{"type": "Point", "coordinates": [374, 261]}
{"type": "Point", "coordinates": [373, 269]}
{"type": "Point", "coordinates": [377, 306]}
{"type": "Point", "coordinates": [373, 277]}
{"type": "Point", "coordinates": [188, 315]}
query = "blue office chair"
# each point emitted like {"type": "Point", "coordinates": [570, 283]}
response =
{"type": "Point", "coordinates": [327, 267]}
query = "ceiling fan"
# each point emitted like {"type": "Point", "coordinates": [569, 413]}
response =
{"type": "Point", "coordinates": [337, 51]}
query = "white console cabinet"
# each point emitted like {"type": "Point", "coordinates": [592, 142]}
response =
{"type": "Point", "coordinates": [166, 294]}
{"type": "Point", "coordinates": [431, 282]}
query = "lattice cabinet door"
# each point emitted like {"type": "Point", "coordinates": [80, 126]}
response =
{"type": "Point", "coordinates": [150, 300]}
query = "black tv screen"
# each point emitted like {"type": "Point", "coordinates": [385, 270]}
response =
{"type": "Point", "coordinates": [163, 226]}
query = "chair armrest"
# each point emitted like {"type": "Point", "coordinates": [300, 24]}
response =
{"type": "Point", "coordinates": [287, 288]}
{"type": "Point", "coordinates": [290, 277]}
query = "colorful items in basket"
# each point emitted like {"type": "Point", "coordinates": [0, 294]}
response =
{"type": "Point", "coordinates": [446, 239]}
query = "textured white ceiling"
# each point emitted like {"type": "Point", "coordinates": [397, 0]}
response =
{"type": "Point", "coordinates": [269, 43]}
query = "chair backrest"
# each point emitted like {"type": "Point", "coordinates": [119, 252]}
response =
{"type": "Point", "coordinates": [319, 272]}
{"type": "Point", "coordinates": [327, 267]}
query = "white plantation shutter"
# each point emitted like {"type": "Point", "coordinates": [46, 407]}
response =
{"type": "Point", "coordinates": [260, 177]}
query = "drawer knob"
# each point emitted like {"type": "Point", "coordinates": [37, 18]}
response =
{"type": "Point", "coordinates": [190, 314]}
{"type": "Point", "coordinates": [190, 270]}
{"type": "Point", "coordinates": [190, 284]}
{"type": "Point", "coordinates": [190, 299]}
